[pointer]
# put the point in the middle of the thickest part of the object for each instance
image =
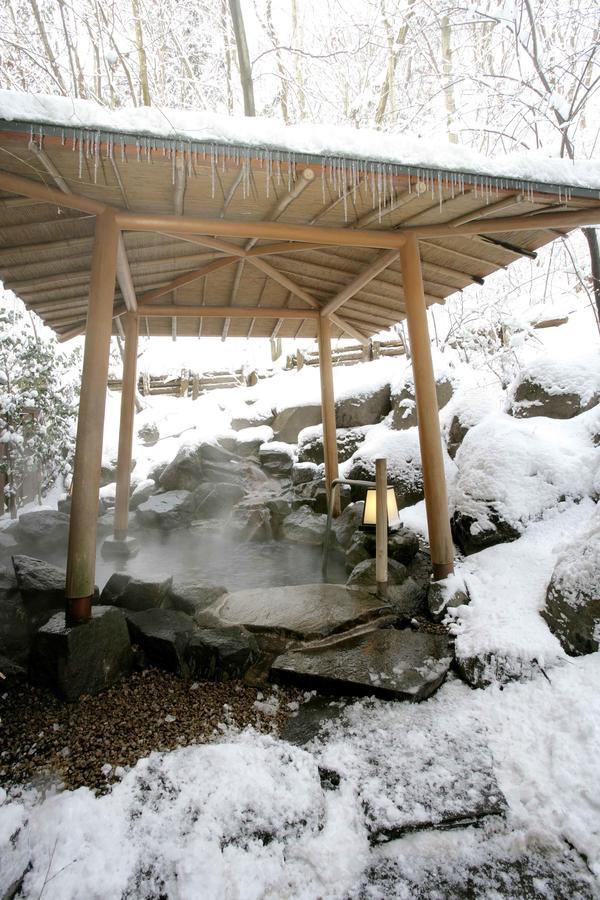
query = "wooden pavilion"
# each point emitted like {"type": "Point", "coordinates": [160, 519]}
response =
{"type": "Point", "coordinates": [117, 231]}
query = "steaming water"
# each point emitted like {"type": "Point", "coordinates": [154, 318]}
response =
{"type": "Point", "coordinates": [203, 553]}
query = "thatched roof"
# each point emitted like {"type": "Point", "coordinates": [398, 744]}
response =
{"type": "Point", "coordinates": [45, 249]}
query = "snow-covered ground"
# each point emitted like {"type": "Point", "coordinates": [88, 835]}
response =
{"type": "Point", "coordinates": [246, 816]}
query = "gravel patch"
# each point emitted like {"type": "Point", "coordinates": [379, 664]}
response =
{"type": "Point", "coordinates": [91, 742]}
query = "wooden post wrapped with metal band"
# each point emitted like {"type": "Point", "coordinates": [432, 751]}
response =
{"type": "Point", "coordinates": [131, 329]}
{"type": "Point", "coordinates": [81, 559]}
{"type": "Point", "coordinates": [381, 527]}
{"type": "Point", "coordinates": [430, 439]}
{"type": "Point", "coordinates": [328, 412]}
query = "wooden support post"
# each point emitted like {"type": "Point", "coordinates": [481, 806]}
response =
{"type": "Point", "coordinates": [81, 559]}
{"type": "Point", "coordinates": [126, 427]}
{"type": "Point", "coordinates": [381, 527]}
{"type": "Point", "coordinates": [328, 412]}
{"type": "Point", "coordinates": [434, 479]}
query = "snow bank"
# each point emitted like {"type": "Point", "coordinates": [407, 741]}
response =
{"type": "Point", "coordinates": [304, 138]}
{"type": "Point", "coordinates": [578, 564]}
{"type": "Point", "coordinates": [518, 468]}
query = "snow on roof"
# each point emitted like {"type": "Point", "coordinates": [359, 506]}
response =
{"type": "Point", "coordinates": [304, 138]}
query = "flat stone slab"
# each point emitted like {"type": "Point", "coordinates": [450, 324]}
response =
{"type": "Point", "coordinates": [400, 665]}
{"type": "Point", "coordinates": [306, 611]}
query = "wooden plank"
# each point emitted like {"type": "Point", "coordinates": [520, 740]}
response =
{"type": "Point", "coordinates": [233, 312]}
{"type": "Point", "coordinates": [363, 278]}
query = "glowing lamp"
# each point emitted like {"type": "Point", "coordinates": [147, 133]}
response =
{"type": "Point", "coordinates": [369, 519]}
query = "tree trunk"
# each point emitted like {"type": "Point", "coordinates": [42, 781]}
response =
{"type": "Point", "coordinates": [141, 50]}
{"type": "Point", "coordinates": [243, 57]}
{"type": "Point", "coordinates": [591, 236]}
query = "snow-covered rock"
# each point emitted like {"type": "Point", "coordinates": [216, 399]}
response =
{"type": "Point", "coordinates": [557, 388]}
{"type": "Point", "coordinates": [290, 421]}
{"type": "Point", "coordinates": [277, 457]}
{"type": "Point", "coordinates": [310, 443]}
{"type": "Point", "coordinates": [365, 407]}
{"type": "Point", "coordinates": [510, 471]}
{"type": "Point", "coordinates": [403, 400]}
{"type": "Point", "coordinates": [403, 454]}
{"type": "Point", "coordinates": [572, 608]}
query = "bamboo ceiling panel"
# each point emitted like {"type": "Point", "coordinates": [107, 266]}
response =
{"type": "Point", "coordinates": [46, 248]}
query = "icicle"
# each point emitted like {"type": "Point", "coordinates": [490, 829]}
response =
{"type": "Point", "coordinates": [345, 195]}
{"type": "Point", "coordinates": [123, 155]}
{"type": "Point", "coordinates": [323, 185]}
{"type": "Point", "coordinates": [80, 155]}
{"type": "Point", "coordinates": [212, 170]}
{"type": "Point", "coordinates": [289, 173]}
{"type": "Point", "coordinates": [268, 172]}
{"type": "Point", "coordinates": [173, 165]}
{"type": "Point", "coordinates": [372, 186]}
{"type": "Point", "coordinates": [137, 150]}
{"type": "Point", "coordinates": [96, 155]}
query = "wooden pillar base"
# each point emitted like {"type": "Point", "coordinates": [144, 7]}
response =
{"type": "Point", "coordinates": [442, 570]}
{"type": "Point", "coordinates": [78, 611]}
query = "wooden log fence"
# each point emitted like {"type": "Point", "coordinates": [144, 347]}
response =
{"type": "Point", "coordinates": [192, 384]}
{"type": "Point", "coordinates": [349, 355]}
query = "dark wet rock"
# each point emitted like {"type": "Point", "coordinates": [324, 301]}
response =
{"type": "Point", "coordinates": [311, 719]}
{"type": "Point", "coordinates": [470, 538]}
{"type": "Point", "coordinates": [304, 472]}
{"type": "Point", "coordinates": [119, 547]}
{"type": "Point", "coordinates": [456, 435]}
{"type": "Point", "coordinates": [250, 521]}
{"type": "Point", "coordinates": [277, 458]}
{"type": "Point", "coordinates": [314, 495]}
{"type": "Point", "coordinates": [64, 505]}
{"type": "Point", "coordinates": [305, 611]}
{"type": "Point", "coordinates": [280, 508]}
{"type": "Point", "coordinates": [484, 669]}
{"type": "Point", "coordinates": [192, 598]}
{"type": "Point", "coordinates": [345, 526]}
{"type": "Point", "coordinates": [248, 441]}
{"type": "Point", "coordinates": [310, 446]}
{"type": "Point", "coordinates": [444, 595]}
{"type": "Point", "coordinates": [404, 403]}
{"type": "Point", "coordinates": [221, 654]}
{"type": "Point", "coordinates": [407, 481]}
{"type": "Point", "coordinates": [81, 660]}
{"type": "Point", "coordinates": [368, 408]}
{"type": "Point", "coordinates": [289, 422]}
{"type": "Point", "coordinates": [108, 471]}
{"type": "Point", "coordinates": [42, 587]}
{"type": "Point", "coordinates": [44, 528]}
{"type": "Point", "coordinates": [304, 526]}
{"type": "Point", "coordinates": [572, 610]}
{"type": "Point", "coordinates": [8, 543]}
{"type": "Point", "coordinates": [401, 665]}
{"type": "Point", "coordinates": [214, 500]}
{"type": "Point", "coordinates": [403, 546]}
{"type": "Point", "coordinates": [558, 874]}
{"type": "Point", "coordinates": [531, 399]}
{"type": "Point", "coordinates": [407, 599]}
{"type": "Point", "coordinates": [148, 434]}
{"type": "Point", "coordinates": [135, 594]}
{"type": "Point", "coordinates": [142, 492]}
{"type": "Point", "coordinates": [163, 636]}
{"type": "Point", "coordinates": [156, 471]}
{"type": "Point", "coordinates": [363, 575]}
{"type": "Point", "coordinates": [15, 624]}
{"type": "Point", "coordinates": [170, 510]}
{"type": "Point", "coordinates": [185, 472]}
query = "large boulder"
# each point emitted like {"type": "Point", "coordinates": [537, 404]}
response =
{"type": "Point", "coordinates": [81, 660]}
{"type": "Point", "coordinates": [255, 416]}
{"type": "Point", "coordinates": [142, 492]}
{"type": "Point", "coordinates": [290, 421]}
{"type": "Point", "coordinates": [185, 472]}
{"type": "Point", "coordinates": [404, 405]}
{"type": "Point", "coordinates": [556, 388]}
{"type": "Point", "coordinates": [366, 408]}
{"type": "Point", "coordinates": [221, 654]}
{"type": "Point", "coordinates": [572, 608]}
{"type": "Point", "coordinates": [303, 472]}
{"type": "Point", "coordinates": [42, 587]}
{"type": "Point", "coordinates": [248, 441]}
{"type": "Point", "coordinates": [173, 509]}
{"type": "Point", "coordinates": [456, 434]}
{"type": "Point", "coordinates": [44, 528]}
{"type": "Point", "coordinates": [250, 521]}
{"type": "Point", "coordinates": [314, 495]}
{"type": "Point", "coordinates": [310, 444]}
{"type": "Point", "coordinates": [345, 526]}
{"type": "Point", "coordinates": [163, 636]}
{"type": "Point", "coordinates": [511, 471]}
{"type": "Point", "coordinates": [403, 546]}
{"type": "Point", "coordinates": [277, 458]}
{"type": "Point", "coordinates": [405, 476]}
{"type": "Point", "coordinates": [215, 500]}
{"type": "Point", "coordinates": [135, 593]}
{"type": "Point", "coordinates": [193, 597]}
{"type": "Point", "coordinates": [304, 526]}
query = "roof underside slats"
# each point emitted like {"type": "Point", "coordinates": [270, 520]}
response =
{"type": "Point", "coordinates": [45, 251]}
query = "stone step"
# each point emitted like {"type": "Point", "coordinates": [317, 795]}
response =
{"type": "Point", "coordinates": [400, 665]}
